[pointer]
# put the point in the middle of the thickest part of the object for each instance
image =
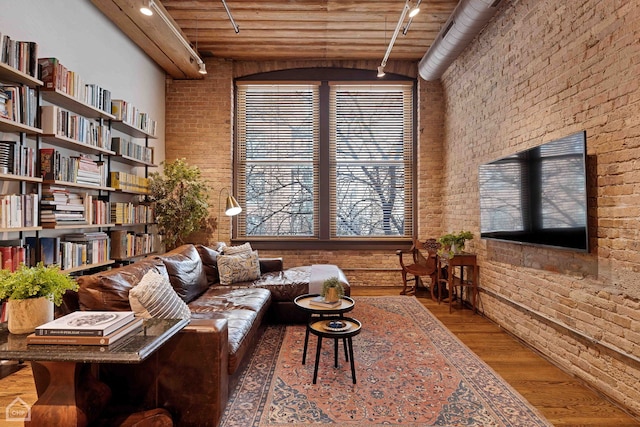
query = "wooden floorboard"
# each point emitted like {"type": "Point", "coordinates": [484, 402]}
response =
{"type": "Point", "coordinates": [564, 400]}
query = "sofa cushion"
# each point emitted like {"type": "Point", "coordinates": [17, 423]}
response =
{"type": "Point", "coordinates": [240, 267]}
{"type": "Point", "coordinates": [109, 290]}
{"type": "Point", "coordinates": [240, 249]}
{"type": "Point", "coordinates": [244, 310]}
{"type": "Point", "coordinates": [209, 257]}
{"type": "Point", "coordinates": [186, 272]}
{"type": "Point", "coordinates": [154, 297]}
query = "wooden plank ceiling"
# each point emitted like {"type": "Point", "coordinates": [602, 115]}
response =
{"type": "Point", "coordinates": [283, 29]}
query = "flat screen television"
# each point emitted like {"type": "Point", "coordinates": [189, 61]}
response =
{"type": "Point", "coordinates": [537, 196]}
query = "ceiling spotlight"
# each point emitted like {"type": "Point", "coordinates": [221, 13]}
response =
{"type": "Point", "coordinates": [203, 68]}
{"type": "Point", "coordinates": [414, 11]}
{"type": "Point", "coordinates": [381, 72]}
{"type": "Point", "coordinates": [145, 9]}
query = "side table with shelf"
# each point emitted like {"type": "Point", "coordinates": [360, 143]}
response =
{"type": "Point", "coordinates": [461, 261]}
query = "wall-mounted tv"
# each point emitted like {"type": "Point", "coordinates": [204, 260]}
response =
{"type": "Point", "coordinates": [537, 196]}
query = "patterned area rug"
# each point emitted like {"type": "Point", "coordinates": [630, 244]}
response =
{"type": "Point", "coordinates": [410, 371]}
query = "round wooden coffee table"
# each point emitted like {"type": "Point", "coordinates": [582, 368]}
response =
{"type": "Point", "coordinates": [305, 303]}
{"type": "Point", "coordinates": [335, 328]}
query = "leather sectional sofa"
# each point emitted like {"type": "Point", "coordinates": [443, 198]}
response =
{"type": "Point", "coordinates": [192, 374]}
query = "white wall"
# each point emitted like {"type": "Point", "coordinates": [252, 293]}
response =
{"type": "Point", "coordinates": [85, 41]}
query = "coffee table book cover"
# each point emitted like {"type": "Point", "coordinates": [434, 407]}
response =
{"type": "Point", "coordinates": [92, 323]}
{"type": "Point", "coordinates": [319, 301]}
{"type": "Point", "coordinates": [134, 326]}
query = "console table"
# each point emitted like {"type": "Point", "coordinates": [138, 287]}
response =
{"type": "Point", "coordinates": [73, 396]}
{"type": "Point", "coordinates": [461, 260]}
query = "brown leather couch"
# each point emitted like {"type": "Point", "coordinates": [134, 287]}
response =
{"type": "Point", "coordinates": [192, 374]}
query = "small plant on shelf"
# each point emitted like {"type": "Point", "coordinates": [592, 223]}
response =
{"type": "Point", "coordinates": [453, 243]}
{"type": "Point", "coordinates": [332, 289]}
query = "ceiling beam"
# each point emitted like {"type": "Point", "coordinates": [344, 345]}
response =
{"type": "Point", "coordinates": [153, 36]}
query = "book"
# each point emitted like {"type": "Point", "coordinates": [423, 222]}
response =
{"type": "Point", "coordinates": [86, 323]}
{"type": "Point", "coordinates": [131, 327]}
{"type": "Point", "coordinates": [320, 302]}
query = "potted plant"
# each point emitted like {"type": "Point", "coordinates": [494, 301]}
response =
{"type": "Point", "coordinates": [332, 289]}
{"type": "Point", "coordinates": [453, 243]}
{"type": "Point", "coordinates": [181, 201]}
{"type": "Point", "coordinates": [31, 293]}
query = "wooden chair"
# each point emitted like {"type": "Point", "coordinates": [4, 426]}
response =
{"type": "Point", "coordinates": [423, 264]}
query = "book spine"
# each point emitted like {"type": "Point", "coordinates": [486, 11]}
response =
{"type": "Point", "coordinates": [70, 332]}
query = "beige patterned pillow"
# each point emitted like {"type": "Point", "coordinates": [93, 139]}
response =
{"type": "Point", "coordinates": [154, 297]}
{"type": "Point", "coordinates": [241, 267]}
{"type": "Point", "coordinates": [240, 249]}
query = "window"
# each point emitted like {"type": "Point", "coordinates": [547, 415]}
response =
{"type": "Point", "coordinates": [325, 160]}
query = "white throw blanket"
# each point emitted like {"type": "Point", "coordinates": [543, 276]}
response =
{"type": "Point", "coordinates": [320, 273]}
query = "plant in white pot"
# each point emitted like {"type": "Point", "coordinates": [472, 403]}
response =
{"type": "Point", "coordinates": [31, 293]}
{"type": "Point", "coordinates": [453, 243]}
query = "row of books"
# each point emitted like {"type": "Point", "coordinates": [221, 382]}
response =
{"type": "Point", "coordinates": [20, 55]}
{"type": "Point", "coordinates": [80, 249]}
{"type": "Point", "coordinates": [17, 159]}
{"type": "Point", "coordinates": [130, 213]}
{"type": "Point", "coordinates": [87, 328]}
{"type": "Point", "coordinates": [79, 169]}
{"type": "Point", "coordinates": [129, 114]}
{"type": "Point", "coordinates": [18, 103]}
{"type": "Point", "coordinates": [56, 121]}
{"type": "Point", "coordinates": [12, 256]}
{"type": "Point", "coordinates": [128, 182]}
{"type": "Point", "coordinates": [125, 147]}
{"type": "Point", "coordinates": [54, 75]}
{"type": "Point", "coordinates": [127, 244]}
{"type": "Point", "coordinates": [18, 210]}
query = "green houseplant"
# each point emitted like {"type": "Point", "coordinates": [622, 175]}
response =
{"type": "Point", "coordinates": [332, 289]}
{"type": "Point", "coordinates": [181, 201]}
{"type": "Point", "coordinates": [31, 293]}
{"type": "Point", "coordinates": [453, 243]}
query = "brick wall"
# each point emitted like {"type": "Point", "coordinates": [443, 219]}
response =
{"type": "Point", "coordinates": [544, 69]}
{"type": "Point", "coordinates": [199, 121]}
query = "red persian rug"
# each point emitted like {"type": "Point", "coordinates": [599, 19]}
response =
{"type": "Point", "coordinates": [410, 370]}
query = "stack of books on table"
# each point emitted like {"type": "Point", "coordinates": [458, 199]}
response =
{"type": "Point", "coordinates": [87, 328]}
{"type": "Point", "coordinates": [319, 301]}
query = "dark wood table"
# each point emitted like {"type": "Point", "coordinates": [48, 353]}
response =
{"type": "Point", "coordinates": [320, 329]}
{"type": "Point", "coordinates": [72, 395]}
{"type": "Point", "coordinates": [461, 260]}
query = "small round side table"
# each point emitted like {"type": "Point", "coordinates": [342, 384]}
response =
{"type": "Point", "coordinates": [321, 329]}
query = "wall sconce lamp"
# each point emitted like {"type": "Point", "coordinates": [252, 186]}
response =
{"type": "Point", "coordinates": [412, 13]}
{"type": "Point", "coordinates": [148, 7]}
{"type": "Point", "coordinates": [232, 208]}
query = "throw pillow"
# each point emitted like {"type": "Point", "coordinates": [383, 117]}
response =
{"type": "Point", "coordinates": [238, 268]}
{"type": "Point", "coordinates": [154, 297]}
{"type": "Point", "coordinates": [240, 249]}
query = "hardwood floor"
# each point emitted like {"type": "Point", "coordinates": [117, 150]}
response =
{"type": "Point", "coordinates": [562, 399]}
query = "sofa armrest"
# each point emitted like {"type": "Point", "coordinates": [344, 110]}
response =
{"type": "Point", "coordinates": [269, 265]}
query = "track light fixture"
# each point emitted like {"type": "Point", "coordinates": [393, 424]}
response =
{"type": "Point", "coordinates": [235, 26]}
{"type": "Point", "coordinates": [145, 9]}
{"type": "Point", "coordinates": [151, 6]}
{"type": "Point", "coordinates": [412, 13]}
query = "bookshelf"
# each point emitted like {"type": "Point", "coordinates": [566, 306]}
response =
{"type": "Point", "coordinates": [18, 173]}
{"type": "Point", "coordinates": [131, 239]}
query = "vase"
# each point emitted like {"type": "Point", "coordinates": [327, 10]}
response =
{"type": "Point", "coordinates": [332, 295]}
{"type": "Point", "coordinates": [26, 314]}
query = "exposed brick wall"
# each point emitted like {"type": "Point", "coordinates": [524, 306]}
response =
{"type": "Point", "coordinates": [199, 119]}
{"type": "Point", "coordinates": [543, 69]}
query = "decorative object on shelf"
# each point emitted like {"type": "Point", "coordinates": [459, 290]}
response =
{"type": "Point", "coordinates": [332, 289]}
{"type": "Point", "coordinates": [181, 201]}
{"type": "Point", "coordinates": [453, 243]}
{"type": "Point", "coordinates": [31, 293]}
